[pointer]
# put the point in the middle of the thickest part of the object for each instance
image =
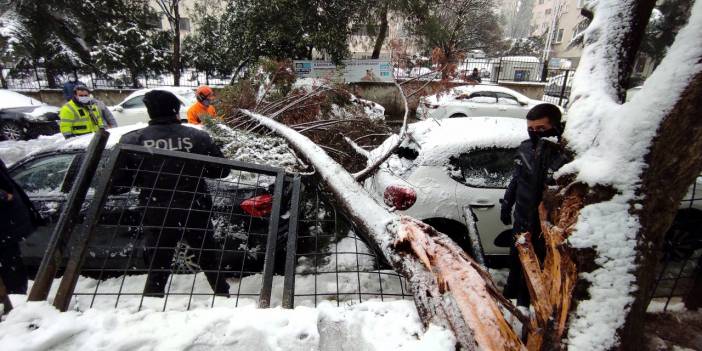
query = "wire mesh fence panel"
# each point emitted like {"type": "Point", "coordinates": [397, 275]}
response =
{"type": "Point", "coordinates": [332, 263]}
{"type": "Point", "coordinates": [558, 86]}
{"type": "Point", "coordinates": [177, 231]}
{"type": "Point", "coordinates": [680, 266]}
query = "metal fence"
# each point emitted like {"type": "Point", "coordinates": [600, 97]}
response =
{"type": "Point", "coordinates": [679, 272]}
{"type": "Point", "coordinates": [30, 79]}
{"type": "Point", "coordinates": [167, 230]}
{"type": "Point", "coordinates": [328, 261]}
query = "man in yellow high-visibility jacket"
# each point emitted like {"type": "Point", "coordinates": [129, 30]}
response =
{"type": "Point", "coordinates": [80, 115]}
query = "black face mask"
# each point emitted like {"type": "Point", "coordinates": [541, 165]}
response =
{"type": "Point", "coordinates": [536, 136]}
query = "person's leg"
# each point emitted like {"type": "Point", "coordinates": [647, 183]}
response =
{"type": "Point", "coordinates": [158, 257]}
{"type": "Point", "coordinates": [207, 251]}
{"type": "Point", "coordinates": [12, 270]}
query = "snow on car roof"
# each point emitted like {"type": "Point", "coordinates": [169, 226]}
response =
{"type": "Point", "coordinates": [436, 140]}
{"type": "Point", "coordinates": [452, 93]}
{"type": "Point", "coordinates": [11, 99]}
{"type": "Point", "coordinates": [187, 94]}
{"type": "Point", "coordinates": [520, 58]}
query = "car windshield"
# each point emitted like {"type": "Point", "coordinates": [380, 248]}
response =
{"type": "Point", "coordinates": [485, 168]}
{"type": "Point", "coordinates": [44, 175]}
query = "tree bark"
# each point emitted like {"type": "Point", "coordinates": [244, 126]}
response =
{"type": "Point", "coordinates": [175, 69]}
{"type": "Point", "coordinates": [382, 34]}
{"type": "Point", "coordinates": [674, 162]}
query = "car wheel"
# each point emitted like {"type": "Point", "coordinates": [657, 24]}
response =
{"type": "Point", "coordinates": [455, 230]}
{"type": "Point", "coordinates": [458, 115]}
{"type": "Point", "coordinates": [12, 130]}
{"type": "Point", "coordinates": [684, 236]}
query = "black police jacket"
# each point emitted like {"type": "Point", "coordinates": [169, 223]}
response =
{"type": "Point", "coordinates": [533, 170]}
{"type": "Point", "coordinates": [164, 181]}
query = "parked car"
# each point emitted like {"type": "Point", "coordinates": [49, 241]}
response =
{"type": "Point", "coordinates": [463, 165]}
{"type": "Point", "coordinates": [47, 176]}
{"type": "Point", "coordinates": [22, 117]}
{"type": "Point", "coordinates": [475, 100]}
{"type": "Point", "coordinates": [132, 109]}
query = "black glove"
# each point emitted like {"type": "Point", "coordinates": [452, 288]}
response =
{"type": "Point", "coordinates": [505, 213]}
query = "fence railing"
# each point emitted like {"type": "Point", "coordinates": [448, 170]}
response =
{"type": "Point", "coordinates": [31, 79]}
{"type": "Point", "coordinates": [167, 230]}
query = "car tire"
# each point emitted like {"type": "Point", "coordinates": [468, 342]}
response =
{"type": "Point", "coordinates": [684, 236]}
{"type": "Point", "coordinates": [455, 230]}
{"type": "Point", "coordinates": [458, 115]}
{"type": "Point", "coordinates": [11, 130]}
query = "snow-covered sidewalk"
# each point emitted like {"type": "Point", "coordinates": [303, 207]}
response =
{"type": "Point", "coordinates": [371, 325]}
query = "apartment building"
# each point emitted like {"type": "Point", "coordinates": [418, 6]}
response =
{"type": "Point", "coordinates": [567, 22]}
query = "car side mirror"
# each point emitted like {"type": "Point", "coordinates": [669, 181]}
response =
{"type": "Point", "coordinates": [119, 108]}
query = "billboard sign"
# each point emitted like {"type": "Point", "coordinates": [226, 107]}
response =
{"type": "Point", "coordinates": [352, 71]}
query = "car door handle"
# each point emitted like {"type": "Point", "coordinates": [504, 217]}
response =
{"type": "Point", "coordinates": [482, 204]}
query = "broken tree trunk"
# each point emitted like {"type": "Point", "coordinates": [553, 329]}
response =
{"type": "Point", "coordinates": [633, 163]}
{"type": "Point", "coordinates": [449, 288]}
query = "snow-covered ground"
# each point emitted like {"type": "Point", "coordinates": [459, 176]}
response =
{"type": "Point", "coordinates": [368, 326]}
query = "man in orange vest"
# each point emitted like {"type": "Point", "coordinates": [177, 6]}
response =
{"type": "Point", "coordinates": [203, 105]}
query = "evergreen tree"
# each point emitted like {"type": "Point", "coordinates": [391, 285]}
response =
{"type": "Point", "coordinates": [132, 43]}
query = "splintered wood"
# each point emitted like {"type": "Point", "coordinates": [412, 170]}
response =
{"type": "Point", "coordinates": [459, 277]}
{"type": "Point", "coordinates": [550, 286]}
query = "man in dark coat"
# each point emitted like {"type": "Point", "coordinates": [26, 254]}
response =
{"type": "Point", "coordinates": [18, 219]}
{"type": "Point", "coordinates": [536, 161]}
{"type": "Point", "coordinates": [174, 194]}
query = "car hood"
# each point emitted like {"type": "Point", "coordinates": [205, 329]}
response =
{"type": "Point", "coordinates": [32, 113]}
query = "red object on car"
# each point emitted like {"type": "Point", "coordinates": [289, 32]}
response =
{"type": "Point", "coordinates": [399, 197]}
{"type": "Point", "coordinates": [259, 206]}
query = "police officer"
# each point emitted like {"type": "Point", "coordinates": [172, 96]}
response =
{"type": "Point", "coordinates": [18, 219]}
{"type": "Point", "coordinates": [174, 194]}
{"type": "Point", "coordinates": [80, 115]}
{"type": "Point", "coordinates": [537, 159]}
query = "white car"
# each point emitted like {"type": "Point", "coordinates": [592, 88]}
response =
{"type": "Point", "coordinates": [132, 109]}
{"type": "Point", "coordinates": [475, 100]}
{"type": "Point", "coordinates": [447, 167]}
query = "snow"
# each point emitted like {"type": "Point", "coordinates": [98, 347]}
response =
{"type": "Point", "coordinates": [367, 326]}
{"type": "Point", "coordinates": [13, 151]}
{"type": "Point", "coordinates": [611, 151]}
{"type": "Point", "coordinates": [10, 99]}
{"type": "Point", "coordinates": [372, 110]}
{"type": "Point", "coordinates": [361, 206]}
{"type": "Point", "coordinates": [438, 140]}
{"type": "Point", "coordinates": [452, 94]}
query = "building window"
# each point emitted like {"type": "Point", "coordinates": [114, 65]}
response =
{"type": "Point", "coordinates": [154, 22]}
{"type": "Point", "coordinates": [541, 2]}
{"type": "Point", "coordinates": [559, 36]}
{"type": "Point", "coordinates": [548, 12]}
{"type": "Point", "coordinates": [185, 24]}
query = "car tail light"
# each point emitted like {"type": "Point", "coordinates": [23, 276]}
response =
{"type": "Point", "coordinates": [259, 206]}
{"type": "Point", "coordinates": [399, 197]}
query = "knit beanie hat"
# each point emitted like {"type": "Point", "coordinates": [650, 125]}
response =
{"type": "Point", "coordinates": [162, 104]}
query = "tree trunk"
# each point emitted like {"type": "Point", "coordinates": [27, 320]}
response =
{"type": "Point", "coordinates": [670, 165]}
{"type": "Point", "coordinates": [175, 69]}
{"type": "Point", "coordinates": [674, 162]}
{"type": "Point", "coordinates": [380, 39]}
{"type": "Point", "coordinates": [3, 81]}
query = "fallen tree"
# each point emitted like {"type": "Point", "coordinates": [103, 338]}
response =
{"type": "Point", "coordinates": [449, 288]}
{"type": "Point", "coordinates": [603, 222]}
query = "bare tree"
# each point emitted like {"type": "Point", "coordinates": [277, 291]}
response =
{"type": "Point", "coordinates": [171, 9]}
